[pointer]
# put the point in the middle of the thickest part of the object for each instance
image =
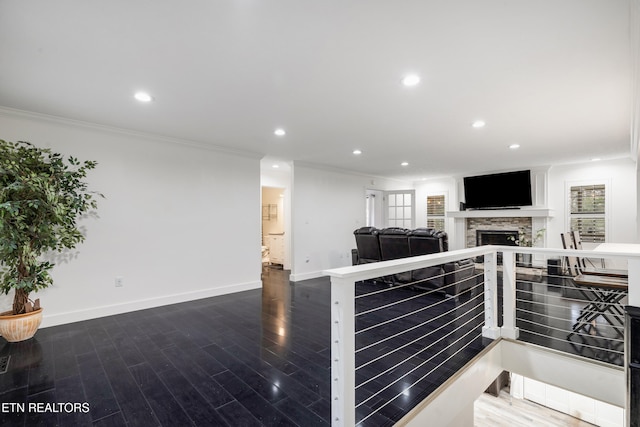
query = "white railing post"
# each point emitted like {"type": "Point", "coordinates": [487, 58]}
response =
{"type": "Point", "coordinates": [634, 282]}
{"type": "Point", "coordinates": [509, 329]}
{"type": "Point", "coordinates": [343, 358]}
{"type": "Point", "coordinates": [490, 328]}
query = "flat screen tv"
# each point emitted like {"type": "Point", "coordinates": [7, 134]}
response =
{"type": "Point", "coordinates": [499, 190]}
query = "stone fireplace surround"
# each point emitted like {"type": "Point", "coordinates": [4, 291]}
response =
{"type": "Point", "coordinates": [488, 224]}
{"type": "Point", "coordinates": [466, 223]}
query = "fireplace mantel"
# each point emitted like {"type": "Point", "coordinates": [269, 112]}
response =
{"type": "Point", "coordinates": [503, 213]}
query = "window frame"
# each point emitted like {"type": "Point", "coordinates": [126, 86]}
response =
{"type": "Point", "coordinates": [442, 217]}
{"type": "Point", "coordinates": [606, 215]}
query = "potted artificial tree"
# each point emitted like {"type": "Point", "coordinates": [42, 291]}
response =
{"type": "Point", "coordinates": [42, 197]}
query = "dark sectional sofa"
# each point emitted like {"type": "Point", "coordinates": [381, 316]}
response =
{"type": "Point", "coordinates": [375, 245]}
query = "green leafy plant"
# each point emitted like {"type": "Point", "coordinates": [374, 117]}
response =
{"type": "Point", "coordinates": [42, 197]}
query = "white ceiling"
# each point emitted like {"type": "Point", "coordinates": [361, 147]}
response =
{"type": "Point", "coordinates": [551, 75]}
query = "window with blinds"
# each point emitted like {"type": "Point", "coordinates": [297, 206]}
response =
{"type": "Point", "coordinates": [435, 212]}
{"type": "Point", "coordinates": [587, 212]}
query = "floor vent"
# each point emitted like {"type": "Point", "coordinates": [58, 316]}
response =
{"type": "Point", "coordinates": [4, 364]}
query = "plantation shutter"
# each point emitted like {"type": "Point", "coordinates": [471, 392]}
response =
{"type": "Point", "coordinates": [587, 212]}
{"type": "Point", "coordinates": [435, 212]}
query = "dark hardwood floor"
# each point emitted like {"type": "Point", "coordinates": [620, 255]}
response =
{"type": "Point", "coordinates": [260, 357]}
{"type": "Point", "coordinates": [253, 358]}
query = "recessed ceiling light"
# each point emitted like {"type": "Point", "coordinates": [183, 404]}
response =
{"type": "Point", "coordinates": [478, 124]}
{"type": "Point", "coordinates": [514, 146]}
{"type": "Point", "coordinates": [143, 97]}
{"type": "Point", "coordinates": [411, 80]}
{"type": "Point", "coordinates": [404, 164]}
{"type": "Point", "coordinates": [279, 132]}
{"type": "Point", "coordinates": [596, 159]}
{"type": "Point", "coordinates": [357, 152]}
{"type": "Point", "coordinates": [275, 166]}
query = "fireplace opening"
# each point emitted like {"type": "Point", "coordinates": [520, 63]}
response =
{"type": "Point", "coordinates": [496, 237]}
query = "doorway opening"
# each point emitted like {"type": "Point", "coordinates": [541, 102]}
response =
{"type": "Point", "coordinates": [390, 208]}
{"type": "Point", "coordinates": [273, 225]}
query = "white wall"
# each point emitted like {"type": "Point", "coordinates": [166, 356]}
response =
{"type": "Point", "coordinates": [578, 406]}
{"type": "Point", "coordinates": [446, 186]}
{"type": "Point", "coordinates": [620, 174]}
{"type": "Point", "coordinates": [178, 223]}
{"type": "Point", "coordinates": [327, 207]}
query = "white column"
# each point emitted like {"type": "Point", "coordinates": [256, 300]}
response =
{"type": "Point", "coordinates": [509, 329]}
{"type": "Point", "coordinates": [343, 359]}
{"type": "Point", "coordinates": [490, 328]}
{"type": "Point", "coordinates": [634, 33]}
{"type": "Point", "coordinates": [634, 282]}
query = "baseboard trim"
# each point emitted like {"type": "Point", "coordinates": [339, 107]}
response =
{"type": "Point", "coordinates": [110, 310]}
{"type": "Point", "coordinates": [306, 276]}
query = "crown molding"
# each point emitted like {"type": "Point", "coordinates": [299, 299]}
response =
{"type": "Point", "coordinates": [30, 115]}
{"type": "Point", "coordinates": [327, 168]}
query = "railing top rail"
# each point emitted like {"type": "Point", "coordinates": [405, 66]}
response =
{"type": "Point", "coordinates": [383, 268]}
{"type": "Point", "coordinates": [626, 254]}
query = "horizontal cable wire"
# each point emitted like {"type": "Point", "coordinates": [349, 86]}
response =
{"type": "Point", "coordinates": [563, 330]}
{"type": "Point", "coordinates": [404, 285]}
{"type": "Point", "coordinates": [522, 310]}
{"type": "Point", "coordinates": [583, 288]}
{"type": "Point", "coordinates": [419, 366]}
{"type": "Point", "coordinates": [414, 355]}
{"type": "Point", "coordinates": [581, 344]}
{"type": "Point", "coordinates": [568, 308]}
{"type": "Point", "coordinates": [398, 317]}
{"type": "Point", "coordinates": [440, 364]}
{"type": "Point", "coordinates": [391, 304]}
{"type": "Point", "coordinates": [555, 318]}
{"type": "Point", "coordinates": [422, 378]}
{"type": "Point", "coordinates": [402, 300]}
{"type": "Point", "coordinates": [470, 306]}
{"type": "Point", "coordinates": [566, 318]}
{"type": "Point", "coordinates": [417, 282]}
{"type": "Point", "coordinates": [416, 339]}
{"type": "Point", "coordinates": [396, 287]}
{"type": "Point", "coordinates": [474, 277]}
{"type": "Point", "coordinates": [600, 343]}
{"type": "Point", "coordinates": [390, 289]}
{"type": "Point", "coordinates": [581, 301]}
{"type": "Point", "coordinates": [577, 300]}
{"type": "Point", "coordinates": [412, 328]}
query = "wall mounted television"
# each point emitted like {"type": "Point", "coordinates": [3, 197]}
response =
{"type": "Point", "coordinates": [499, 190]}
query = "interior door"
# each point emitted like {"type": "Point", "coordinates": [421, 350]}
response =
{"type": "Point", "coordinates": [400, 208]}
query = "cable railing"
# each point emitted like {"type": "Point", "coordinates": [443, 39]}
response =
{"type": "Point", "coordinates": [399, 334]}
{"type": "Point", "coordinates": [555, 312]}
{"type": "Point", "coordinates": [405, 335]}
